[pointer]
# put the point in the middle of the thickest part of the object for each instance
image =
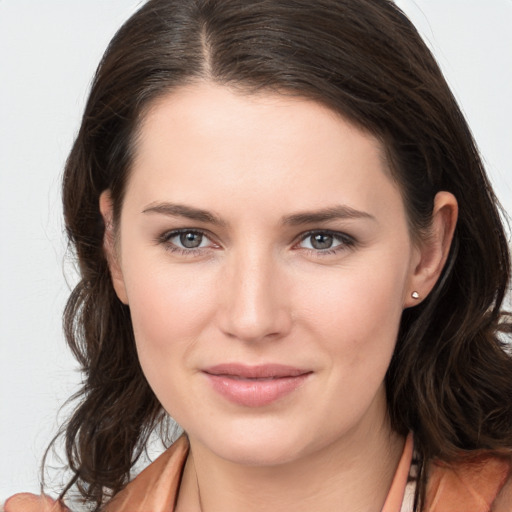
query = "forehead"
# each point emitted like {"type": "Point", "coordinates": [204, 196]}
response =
{"type": "Point", "coordinates": [207, 108]}
{"type": "Point", "coordinates": [203, 140]}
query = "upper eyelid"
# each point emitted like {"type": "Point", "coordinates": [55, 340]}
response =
{"type": "Point", "coordinates": [327, 231]}
{"type": "Point", "coordinates": [336, 234]}
{"type": "Point", "coordinates": [170, 233]}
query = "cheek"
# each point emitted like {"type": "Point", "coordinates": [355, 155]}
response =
{"type": "Point", "coordinates": [354, 321]}
{"type": "Point", "coordinates": [169, 310]}
{"type": "Point", "coordinates": [169, 307]}
{"type": "Point", "coordinates": [356, 312]}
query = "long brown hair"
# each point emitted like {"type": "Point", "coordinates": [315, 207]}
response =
{"type": "Point", "coordinates": [450, 379]}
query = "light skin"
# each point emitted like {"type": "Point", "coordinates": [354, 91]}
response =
{"type": "Point", "coordinates": [293, 248]}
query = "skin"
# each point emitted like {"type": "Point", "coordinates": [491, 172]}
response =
{"type": "Point", "coordinates": [258, 291]}
{"type": "Point", "coordinates": [25, 502]}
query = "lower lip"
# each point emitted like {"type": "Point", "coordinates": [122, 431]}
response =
{"type": "Point", "coordinates": [255, 392]}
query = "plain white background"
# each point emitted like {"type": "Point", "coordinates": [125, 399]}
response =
{"type": "Point", "coordinates": [48, 53]}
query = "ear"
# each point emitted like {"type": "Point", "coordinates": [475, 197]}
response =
{"type": "Point", "coordinates": [109, 246]}
{"type": "Point", "coordinates": [432, 253]}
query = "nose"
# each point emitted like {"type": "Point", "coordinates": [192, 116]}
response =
{"type": "Point", "coordinates": [256, 301]}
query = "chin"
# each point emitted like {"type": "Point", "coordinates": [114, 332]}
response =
{"type": "Point", "coordinates": [258, 443]}
{"type": "Point", "coordinates": [262, 453]}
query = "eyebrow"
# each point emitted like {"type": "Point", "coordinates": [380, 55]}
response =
{"type": "Point", "coordinates": [325, 214]}
{"type": "Point", "coordinates": [297, 219]}
{"type": "Point", "coordinates": [189, 212]}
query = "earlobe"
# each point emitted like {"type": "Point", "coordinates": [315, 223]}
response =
{"type": "Point", "coordinates": [434, 251]}
{"type": "Point", "coordinates": [109, 246]}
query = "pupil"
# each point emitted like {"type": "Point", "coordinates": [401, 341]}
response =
{"type": "Point", "coordinates": [191, 240]}
{"type": "Point", "coordinates": [321, 241]}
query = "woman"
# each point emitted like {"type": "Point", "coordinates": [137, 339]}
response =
{"type": "Point", "coordinates": [287, 243]}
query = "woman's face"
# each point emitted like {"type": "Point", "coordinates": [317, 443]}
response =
{"type": "Point", "coordinates": [265, 256]}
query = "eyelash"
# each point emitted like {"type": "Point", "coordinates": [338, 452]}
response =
{"type": "Point", "coordinates": [165, 240]}
{"type": "Point", "coordinates": [345, 242]}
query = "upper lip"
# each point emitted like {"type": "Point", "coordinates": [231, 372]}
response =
{"type": "Point", "coordinates": [268, 371]}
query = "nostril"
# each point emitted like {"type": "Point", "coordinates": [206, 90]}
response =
{"type": "Point", "coordinates": [271, 327]}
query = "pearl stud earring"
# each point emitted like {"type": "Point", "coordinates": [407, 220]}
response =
{"type": "Point", "coordinates": [415, 295]}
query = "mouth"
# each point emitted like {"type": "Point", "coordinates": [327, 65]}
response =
{"type": "Point", "coordinates": [255, 386]}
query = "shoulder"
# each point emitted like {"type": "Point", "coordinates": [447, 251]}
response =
{"type": "Point", "coordinates": [153, 489]}
{"type": "Point", "coordinates": [25, 502]}
{"type": "Point", "coordinates": [157, 485]}
{"type": "Point", "coordinates": [482, 484]}
{"type": "Point", "coordinates": [503, 502]}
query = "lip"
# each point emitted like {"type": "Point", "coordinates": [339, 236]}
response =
{"type": "Point", "coordinates": [255, 386]}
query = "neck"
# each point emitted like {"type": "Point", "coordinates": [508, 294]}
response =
{"type": "Point", "coordinates": [351, 474]}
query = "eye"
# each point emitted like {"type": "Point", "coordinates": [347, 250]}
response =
{"type": "Point", "coordinates": [189, 239]}
{"type": "Point", "coordinates": [320, 241]}
{"type": "Point", "coordinates": [326, 241]}
{"type": "Point", "coordinates": [185, 240]}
